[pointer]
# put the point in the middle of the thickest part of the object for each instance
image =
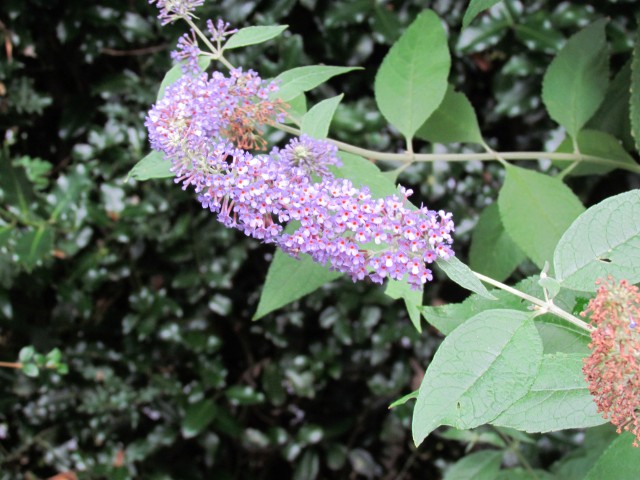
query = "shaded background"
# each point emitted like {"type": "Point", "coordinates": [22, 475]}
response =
{"type": "Point", "coordinates": [150, 299]}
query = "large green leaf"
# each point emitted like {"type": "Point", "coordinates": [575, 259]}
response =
{"type": "Point", "coordinates": [289, 279]}
{"type": "Point", "coordinates": [152, 166]}
{"type": "Point", "coordinates": [605, 240]}
{"type": "Point", "coordinates": [620, 461]}
{"type": "Point", "coordinates": [317, 120]}
{"type": "Point", "coordinates": [557, 334]}
{"type": "Point", "coordinates": [446, 318]}
{"type": "Point", "coordinates": [577, 464]}
{"type": "Point", "coordinates": [536, 210]}
{"type": "Point", "coordinates": [453, 121]}
{"type": "Point", "coordinates": [480, 369]}
{"type": "Point", "coordinates": [598, 144]}
{"type": "Point", "coordinates": [412, 79]}
{"type": "Point", "coordinates": [302, 79]}
{"type": "Point", "coordinates": [474, 8]}
{"type": "Point", "coordinates": [493, 252]}
{"type": "Point", "coordinates": [634, 101]}
{"type": "Point", "coordinates": [253, 35]}
{"type": "Point", "coordinates": [576, 81]}
{"type": "Point", "coordinates": [558, 399]}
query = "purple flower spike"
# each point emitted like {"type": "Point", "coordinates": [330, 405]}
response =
{"type": "Point", "coordinates": [204, 126]}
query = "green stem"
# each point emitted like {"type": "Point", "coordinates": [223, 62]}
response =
{"type": "Point", "coordinates": [465, 157]}
{"type": "Point", "coordinates": [217, 53]}
{"type": "Point", "coordinates": [496, 155]}
{"type": "Point", "coordinates": [545, 307]}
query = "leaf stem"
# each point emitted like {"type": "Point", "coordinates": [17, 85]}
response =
{"type": "Point", "coordinates": [496, 155]}
{"type": "Point", "coordinates": [465, 157]}
{"type": "Point", "coordinates": [545, 306]}
{"type": "Point", "coordinates": [217, 52]}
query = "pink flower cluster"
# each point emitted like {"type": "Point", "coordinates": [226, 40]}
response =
{"type": "Point", "coordinates": [613, 368]}
{"type": "Point", "coordinates": [206, 125]}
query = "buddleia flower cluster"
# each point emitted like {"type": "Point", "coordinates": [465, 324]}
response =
{"type": "Point", "coordinates": [613, 368]}
{"type": "Point", "coordinates": [210, 127]}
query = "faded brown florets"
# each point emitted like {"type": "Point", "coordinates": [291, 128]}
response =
{"type": "Point", "coordinates": [613, 368]}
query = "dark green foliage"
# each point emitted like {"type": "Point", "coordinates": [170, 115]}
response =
{"type": "Point", "coordinates": [150, 300]}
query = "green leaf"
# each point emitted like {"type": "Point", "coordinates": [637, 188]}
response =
{"type": "Point", "coordinates": [26, 354]}
{"type": "Point", "coordinates": [557, 334]}
{"type": "Point", "coordinates": [15, 188]}
{"type": "Point", "coordinates": [634, 100]}
{"type": "Point", "coordinates": [551, 285]}
{"type": "Point", "coordinates": [302, 79]}
{"type": "Point", "coordinates": [446, 318]}
{"type": "Point", "coordinates": [37, 170]}
{"type": "Point", "coordinates": [493, 252]}
{"type": "Point", "coordinates": [488, 33]}
{"type": "Point", "coordinates": [453, 121]}
{"type": "Point", "coordinates": [317, 120]}
{"type": "Point", "coordinates": [536, 210]}
{"type": "Point", "coordinates": [33, 246]}
{"type": "Point", "coordinates": [363, 172]}
{"type": "Point", "coordinates": [412, 299]}
{"type": "Point", "coordinates": [576, 81]}
{"type": "Point", "coordinates": [621, 460]}
{"type": "Point", "coordinates": [412, 79]}
{"type": "Point", "coordinates": [54, 356]}
{"type": "Point", "coordinates": [386, 24]}
{"type": "Point", "coordinates": [474, 8]}
{"type": "Point", "coordinates": [579, 461]}
{"type": "Point", "coordinates": [296, 109]}
{"type": "Point", "coordinates": [459, 273]}
{"type": "Point", "coordinates": [244, 395]}
{"type": "Point", "coordinates": [152, 166]}
{"type": "Point", "coordinates": [613, 115]}
{"type": "Point", "coordinates": [480, 369]}
{"type": "Point", "coordinates": [308, 467]}
{"type": "Point", "coordinates": [405, 399]}
{"type": "Point", "coordinates": [558, 399]}
{"type": "Point", "coordinates": [483, 465]}
{"type": "Point", "coordinates": [175, 73]}
{"type": "Point", "coordinates": [605, 240]}
{"type": "Point", "coordinates": [598, 144]}
{"type": "Point", "coordinates": [289, 279]}
{"type": "Point", "coordinates": [30, 370]}
{"type": "Point", "coordinates": [522, 474]}
{"type": "Point", "coordinates": [253, 35]}
{"type": "Point", "coordinates": [198, 417]}
{"type": "Point", "coordinates": [538, 33]}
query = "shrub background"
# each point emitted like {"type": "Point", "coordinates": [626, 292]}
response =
{"type": "Point", "coordinates": [150, 299]}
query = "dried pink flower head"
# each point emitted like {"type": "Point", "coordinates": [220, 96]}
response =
{"type": "Point", "coordinates": [613, 368]}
